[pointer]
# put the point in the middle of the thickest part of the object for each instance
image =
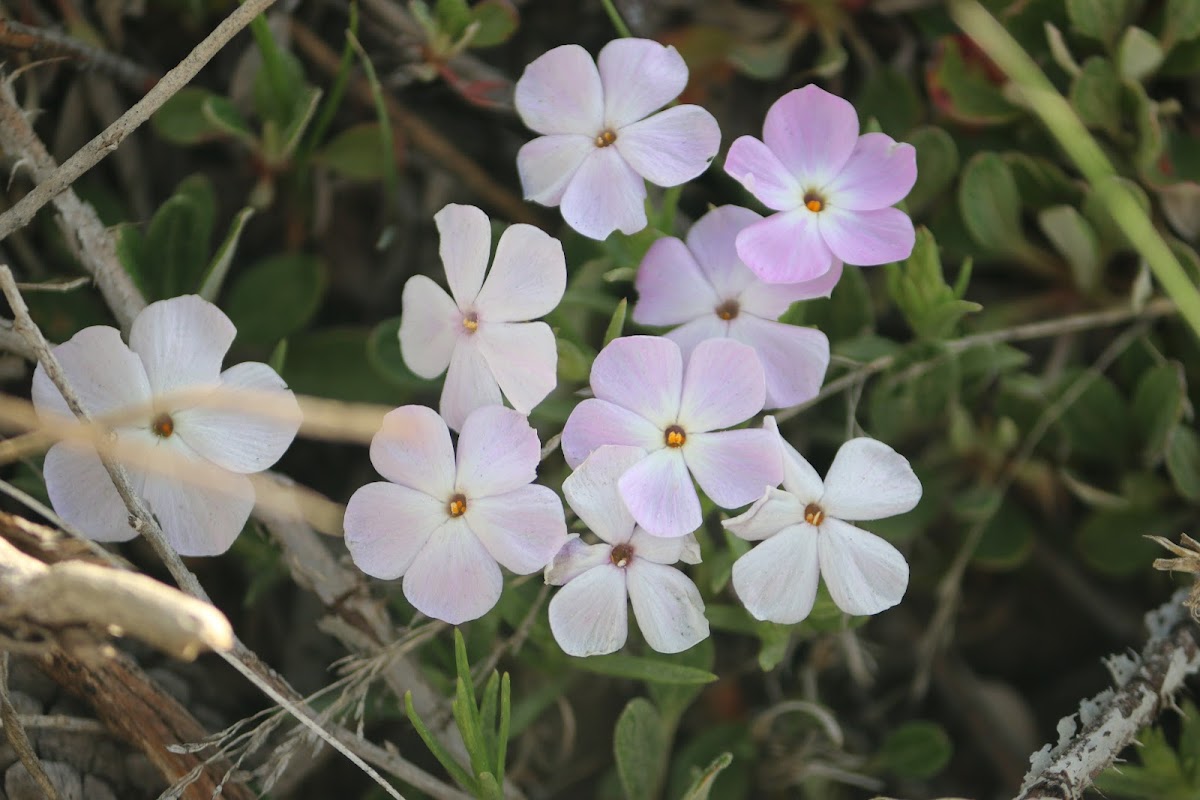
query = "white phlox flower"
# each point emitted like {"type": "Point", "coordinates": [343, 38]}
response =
{"type": "Point", "coordinates": [802, 533]}
{"type": "Point", "coordinates": [589, 615]}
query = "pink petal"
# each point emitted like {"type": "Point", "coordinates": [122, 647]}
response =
{"type": "Point", "coordinates": [643, 374]}
{"type": "Point", "coordinates": [430, 324]}
{"type": "Point", "coordinates": [671, 288]}
{"type": "Point", "coordinates": [242, 440]}
{"type": "Point", "coordinates": [575, 558]}
{"type": "Point", "coordinates": [589, 616]}
{"type": "Point", "coordinates": [865, 574]}
{"type": "Point", "coordinates": [498, 452]}
{"type": "Point", "coordinates": [465, 242]}
{"type": "Point", "coordinates": [412, 448]}
{"type": "Point", "coordinates": [605, 195]}
{"type": "Point", "coordinates": [667, 606]}
{"type": "Point", "coordinates": [869, 480]}
{"type": "Point", "coordinates": [712, 241]}
{"type": "Point", "coordinates": [591, 490]}
{"type": "Point", "coordinates": [671, 147]}
{"type": "Point", "coordinates": [83, 494]}
{"type": "Point", "coordinates": [469, 383]}
{"type": "Point", "coordinates": [453, 578]}
{"type": "Point", "coordinates": [734, 467]}
{"type": "Point", "coordinates": [528, 277]}
{"type": "Point", "coordinates": [387, 525]}
{"type": "Point", "coordinates": [182, 342]}
{"type": "Point", "coordinates": [771, 300]}
{"type": "Point", "coordinates": [523, 359]}
{"type": "Point", "coordinates": [594, 423]}
{"type": "Point", "coordinates": [794, 359]}
{"type": "Point", "coordinates": [689, 336]}
{"type": "Point", "coordinates": [547, 164]}
{"type": "Point", "coordinates": [777, 580]}
{"type": "Point", "coordinates": [769, 515]}
{"type": "Point", "coordinates": [868, 238]}
{"type": "Point", "coordinates": [724, 385]}
{"type": "Point", "coordinates": [813, 133]}
{"type": "Point", "coordinates": [560, 92]}
{"type": "Point", "coordinates": [659, 494]}
{"type": "Point", "coordinates": [639, 77]}
{"type": "Point", "coordinates": [786, 248]}
{"type": "Point", "coordinates": [879, 173]}
{"type": "Point", "coordinates": [799, 477]}
{"type": "Point", "coordinates": [752, 164]}
{"type": "Point", "coordinates": [522, 529]}
{"type": "Point", "coordinates": [105, 374]}
{"type": "Point", "coordinates": [665, 551]}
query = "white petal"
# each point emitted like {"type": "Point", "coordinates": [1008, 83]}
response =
{"type": "Point", "coordinates": [671, 147]}
{"type": "Point", "coordinates": [547, 164]}
{"type": "Point", "coordinates": [639, 76]}
{"type": "Point", "coordinates": [575, 558]}
{"type": "Point", "coordinates": [528, 277]}
{"type": "Point", "coordinates": [864, 573]}
{"type": "Point", "coordinates": [182, 342]}
{"type": "Point", "coordinates": [592, 492]}
{"type": "Point", "coordinates": [712, 240]}
{"type": "Point", "coordinates": [83, 494]}
{"type": "Point", "coordinates": [453, 578]}
{"type": "Point", "coordinates": [777, 580]}
{"type": "Point", "coordinates": [752, 164]}
{"type": "Point", "coordinates": [794, 359]}
{"type": "Point", "coordinates": [430, 325]}
{"type": "Point", "coordinates": [689, 336]}
{"type": "Point", "coordinates": [667, 606]}
{"type": "Point", "coordinates": [799, 477]}
{"type": "Point", "coordinates": [734, 467]}
{"type": "Point", "coordinates": [243, 440]}
{"type": "Point", "coordinates": [469, 384]}
{"type": "Point", "coordinates": [387, 525]}
{"type": "Point", "coordinates": [723, 385]}
{"type": "Point", "coordinates": [594, 423]}
{"type": "Point", "coordinates": [658, 491]}
{"type": "Point", "coordinates": [671, 287]}
{"type": "Point", "coordinates": [522, 529]}
{"type": "Point", "coordinates": [605, 195]}
{"type": "Point", "coordinates": [589, 616]}
{"type": "Point", "coordinates": [643, 374]}
{"type": "Point", "coordinates": [105, 374]}
{"type": "Point", "coordinates": [498, 451]}
{"type": "Point", "coordinates": [869, 480]}
{"type": "Point", "coordinates": [522, 358]}
{"type": "Point", "coordinates": [560, 92]}
{"type": "Point", "coordinates": [665, 551]}
{"type": "Point", "coordinates": [771, 300]}
{"type": "Point", "coordinates": [770, 514]}
{"type": "Point", "coordinates": [465, 242]}
{"type": "Point", "coordinates": [412, 448]}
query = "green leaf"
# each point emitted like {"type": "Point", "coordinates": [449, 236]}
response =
{"type": "Point", "coordinates": [1102, 20]}
{"type": "Point", "coordinates": [917, 750]}
{"type": "Point", "coordinates": [574, 365]}
{"type": "Point", "coordinates": [218, 268]}
{"type": "Point", "coordinates": [355, 153]}
{"type": "Point", "coordinates": [968, 90]}
{"type": "Point", "coordinates": [642, 668]}
{"type": "Point", "coordinates": [505, 723]}
{"type": "Point", "coordinates": [131, 252]}
{"type": "Point", "coordinates": [279, 83]}
{"type": "Point", "coordinates": [932, 308]}
{"type": "Point", "coordinates": [329, 363]}
{"type": "Point", "coordinates": [302, 115]}
{"type": "Point", "coordinates": [1148, 127]}
{"type": "Point", "coordinates": [1007, 539]}
{"type": "Point", "coordinates": [990, 205]}
{"type": "Point", "coordinates": [223, 116]}
{"type": "Point", "coordinates": [1097, 423]}
{"type": "Point", "coordinates": [177, 242]}
{"type": "Point", "coordinates": [672, 699]}
{"type": "Point", "coordinates": [1139, 54]}
{"type": "Point", "coordinates": [889, 97]}
{"type": "Point", "coordinates": [640, 747]}
{"type": "Point", "coordinates": [1181, 22]}
{"type": "Point", "coordinates": [846, 314]}
{"type": "Point", "coordinates": [1183, 462]}
{"type": "Point", "coordinates": [460, 775]}
{"type": "Point", "coordinates": [1112, 541]}
{"type": "Point", "coordinates": [1158, 405]}
{"type": "Point", "coordinates": [617, 323]}
{"type": "Point", "coordinates": [452, 17]}
{"type": "Point", "coordinates": [1111, 236]}
{"type": "Point", "coordinates": [937, 165]}
{"type": "Point", "coordinates": [495, 21]}
{"type": "Point", "coordinates": [1042, 183]}
{"type": "Point", "coordinates": [1096, 95]}
{"type": "Point", "coordinates": [702, 786]}
{"type": "Point", "coordinates": [276, 297]}
{"type": "Point", "coordinates": [1075, 241]}
{"type": "Point", "coordinates": [383, 354]}
{"type": "Point", "coordinates": [278, 357]}
{"type": "Point", "coordinates": [181, 120]}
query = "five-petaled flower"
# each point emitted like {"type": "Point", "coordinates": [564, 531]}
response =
{"type": "Point", "coordinates": [833, 190]}
{"type": "Point", "coordinates": [444, 521]}
{"type": "Point", "coordinates": [197, 455]}
{"type": "Point", "coordinates": [589, 615]}
{"type": "Point", "coordinates": [706, 289]}
{"type": "Point", "coordinates": [804, 534]}
{"type": "Point", "coordinates": [644, 398]}
{"type": "Point", "coordinates": [600, 136]}
{"type": "Point", "coordinates": [481, 330]}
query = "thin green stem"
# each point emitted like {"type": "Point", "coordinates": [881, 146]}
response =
{"type": "Point", "coordinates": [1057, 115]}
{"type": "Point", "coordinates": [615, 17]}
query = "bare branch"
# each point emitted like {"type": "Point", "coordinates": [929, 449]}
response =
{"type": "Point", "coordinates": [15, 733]}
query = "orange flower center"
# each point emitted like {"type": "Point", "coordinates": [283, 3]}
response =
{"type": "Point", "coordinates": [163, 425]}
{"type": "Point", "coordinates": [471, 321]}
{"type": "Point", "coordinates": [727, 310]}
{"type": "Point", "coordinates": [606, 138]}
{"type": "Point", "coordinates": [814, 514]}
{"type": "Point", "coordinates": [457, 506]}
{"type": "Point", "coordinates": [674, 436]}
{"type": "Point", "coordinates": [814, 202]}
{"type": "Point", "coordinates": [621, 554]}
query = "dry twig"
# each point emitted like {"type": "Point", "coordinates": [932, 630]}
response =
{"type": "Point", "coordinates": [15, 733]}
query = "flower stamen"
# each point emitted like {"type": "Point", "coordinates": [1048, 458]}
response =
{"type": "Point", "coordinates": [814, 514]}
{"type": "Point", "coordinates": [674, 436]}
{"type": "Point", "coordinates": [606, 138]}
{"type": "Point", "coordinates": [471, 321]}
{"type": "Point", "coordinates": [457, 505]}
{"type": "Point", "coordinates": [163, 426]}
{"type": "Point", "coordinates": [813, 202]}
{"type": "Point", "coordinates": [728, 310]}
{"type": "Point", "coordinates": [621, 555]}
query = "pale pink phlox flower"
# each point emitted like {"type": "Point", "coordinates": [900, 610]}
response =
{"type": "Point", "coordinates": [644, 398]}
{"type": "Point", "coordinates": [589, 616]}
{"type": "Point", "coordinates": [804, 534]}
{"type": "Point", "coordinates": [480, 333]}
{"type": "Point", "coordinates": [443, 521]}
{"type": "Point", "coordinates": [833, 190]}
{"type": "Point", "coordinates": [601, 137]}
{"type": "Point", "coordinates": [705, 289]}
{"type": "Point", "coordinates": [194, 459]}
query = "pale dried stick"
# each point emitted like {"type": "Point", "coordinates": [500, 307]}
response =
{"type": "Point", "coordinates": [15, 734]}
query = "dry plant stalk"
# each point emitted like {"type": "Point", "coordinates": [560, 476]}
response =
{"type": "Point", "coordinates": [1188, 551]}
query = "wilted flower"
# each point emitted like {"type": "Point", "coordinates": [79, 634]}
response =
{"type": "Point", "coordinates": [644, 398]}
{"type": "Point", "coordinates": [832, 188]}
{"type": "Point", "coordinates": [443, 522]}
{"type": "Point", "coordinates": [589, 615]}
{"type": "Point", "coordinates": [706, 289]}
{"type": "Point", "coordinates": [481, 329]}
{"type": "Point", "coordinates": [805, 534]}
{"type": "Point", "coordinates": [175, 348]}
{"type": "Point", "coordinates": [601, 137]}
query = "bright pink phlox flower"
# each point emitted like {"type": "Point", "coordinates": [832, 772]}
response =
{"type": "Point", "coordinates": [590, 616]}
{"type": "Point", "coordinates": [481, 329]}
{"type": "Point", "coordinates": [601, 137]}
{"type": "Point", "coordinates": [804, 534]}
{"type": "Point", "coordinates": [444, 521]}
{"type": "Point", "coordinates": [832, 188]}
{"type": "Point", "coordinates": [706, 289]}
{"type": "Point", "coordinates": [644, 398]}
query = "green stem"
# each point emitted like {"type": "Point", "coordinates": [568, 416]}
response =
{"type": "Point", "coordinates": [1057, 115]}
{"type": "Point", "coordinates": [615, 17]}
